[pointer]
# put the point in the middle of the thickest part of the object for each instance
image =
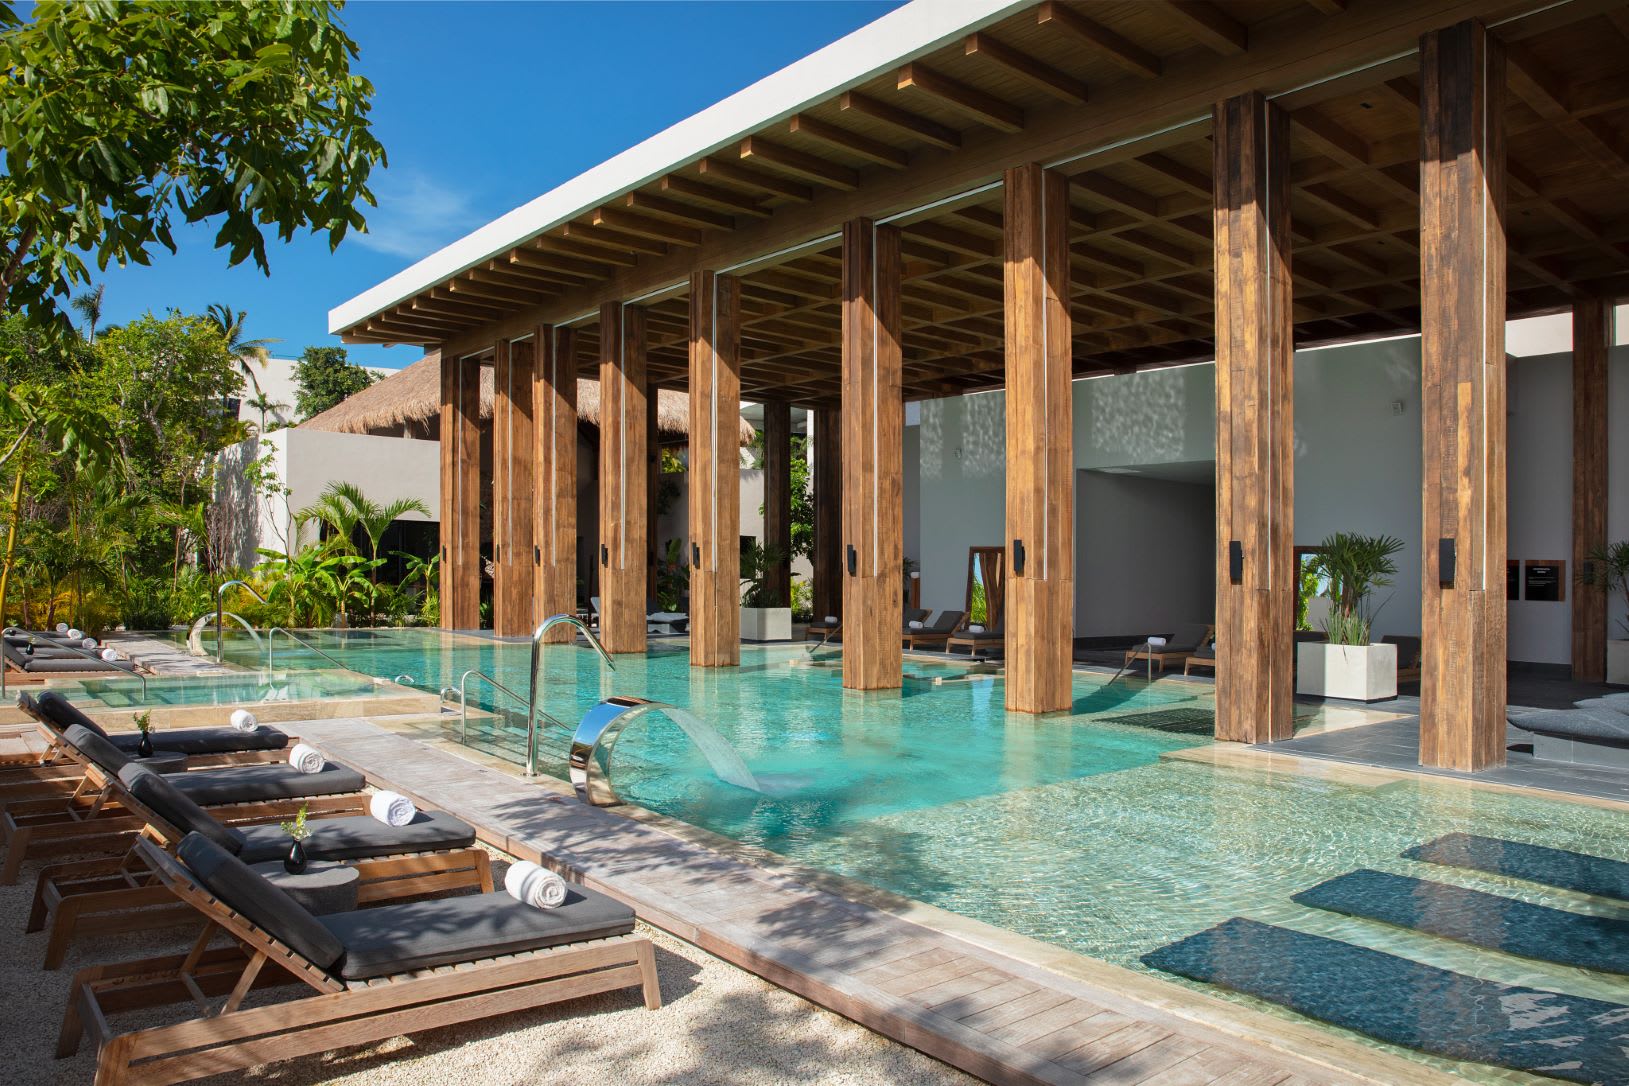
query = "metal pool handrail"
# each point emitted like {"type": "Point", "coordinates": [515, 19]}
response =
{"type": "Point", "coordinates": [302, 642]}
{"type": "Point", "coordinates": [194, 625]}
{"type": "Point", "coordinates": [463, 701]}
{"type": "Point", "coordinates": [532, 710]}
{"type": "Point", "coordinates": [219, 613]}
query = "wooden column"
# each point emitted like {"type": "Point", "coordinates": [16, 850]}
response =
{"type": "Point", "coordinates": [555, 477]}
{"type": "Point", "coordinates": [1255, 433]}
{"type": "Point", "coordinates": [873, 425]}
{"type": "Point", "coordinates": [514, 453]}
{"type": "Point", "coordinates": [624, 478]}
{"type": "Point", "coordinates": [826, 582]}
{"type": "Point", "coordinates": [460, 578]}
{"type": "Point", "coordinates": [1040, 584]}
{"type": "Point", "coordinates": [714, 470]}
{"type": "Point", "coordinates": [653, 481]}
{"type": "Point", "coordinates": [1462, 315]}
{"type": "Point", "coordinates": [778, 498]}
{"type": "Point", "coordinates": [1591, 340]}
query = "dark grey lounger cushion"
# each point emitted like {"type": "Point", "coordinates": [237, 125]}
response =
{"type": "Point", "coordinates": [43, 664]}
{"type": "Point", "coordinates": [996, 634]}
{"type": "Point", "coordinates": [1585, 725]}
{"type": "Point", "coordinates": [109, 758]}
{"type": "Point", "coordinates": [205, 740]}
{"type": "Point", "coordinates": [359, 837]}
{"type": "Point", "coordinates": [62, 714]}
{"type": "Point", "coordinates": [156, 792]}
{"type": "Point", "coordinates": [262, 903]}
{"type": "Point", "coordinates": [1186, 638]}
{"type": "Point", "coordinates": [1610, 703]}
{"type": "Point", "coordinates": [254, 783]}
{"type": "Point", "coordinates": [422, 934]}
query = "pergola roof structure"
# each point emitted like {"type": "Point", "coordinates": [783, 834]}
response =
{"type": "Point", "coordinates": [1117, 96]}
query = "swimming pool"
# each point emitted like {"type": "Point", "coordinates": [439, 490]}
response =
{"type": "Point", "coordinates": [296, 685]}
{"type": "Point", "coordinates": [1088, 830]}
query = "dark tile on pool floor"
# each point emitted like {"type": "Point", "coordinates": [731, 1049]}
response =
{"type": "Point", "coordinates": [1556, 867]}
{"type": "Point", "coordinates": [1407, 1003]}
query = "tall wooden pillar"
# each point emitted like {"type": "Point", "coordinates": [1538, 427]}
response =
{"type": "Point", "coordinates": [624, 469]}
{"type": "Point", "coordinates": [460, 494]}
{"type": "Point", "coordinates": [1255, 432]}
{"type": "Point", "coordinates": [873, 470]}
{"type": "Point", "coordinates": [714, 470]}
{"type": "Point", "coordinates": [826, 582]}
{"type": "Point", "coordinates": [1040, 582]}
{"type": "Point", "coordinates": [653, 484]}
{"type": "Point", "coordinates": [1462, 316]}
{"type": "Point", "coordinates": [555, 477]}
{"type": "Point", "coordinates": [778, 499]}
{"type": "Point", "coordinates": [514, 452]}
{"type": "Point", "coordinates": [1591, 339]}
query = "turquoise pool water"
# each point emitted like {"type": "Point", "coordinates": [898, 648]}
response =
{"type": "Point", "coordinates": [1074, 829]}
{"type": "Point", "coordinates": [295, 685]}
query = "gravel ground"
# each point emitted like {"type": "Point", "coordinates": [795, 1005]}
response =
{"type": "Point", "coordinates": [718, 1024]}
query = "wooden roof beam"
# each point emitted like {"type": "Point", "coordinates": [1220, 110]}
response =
{"type": "Point", "coordinates": [666, 208]}
{"type": "Point", "coordinates": [501, 271]}
{"type": "Point", "coordinates": [1328, 7]}
{"type": "Point", "coordinates": [1545, 92]}
{"type": "Point", "coordinates": [485, 289]}
{"type": "Point", "coordinates": [557, 263]}
{"type": "Point", "coordinates": [577, 247]}
{"type": "Point", "coordinates": [1208, 25]}
{"type": "Point", "coordinates": [713, 196]}
{"type": "Point", "coordinates": [593, 233]}
{"type": "Point", "coordinates": [799, 164]}
{"type": "Point", "coordinates": [642, 226]}
{"type": "Point", "coordinates": [1060, 85]}
{"type": "Point", "coordinates": [852, 142]}
{"type": "Point", "coordinates": [971, 102]}
{"type": "Point", "coordinates": [1115, 48]}
{"type": "Point", "coordinates": [923, 128]}
{"type": "Point", "coordinates": [721, 169]}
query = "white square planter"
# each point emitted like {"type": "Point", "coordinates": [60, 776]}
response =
{"type": "Point", "coordinates": [766, 623]}
{"type": "Point", "coordinates": [1617, 662]}
{"type": "Point", "coordinates": [1355, 672]}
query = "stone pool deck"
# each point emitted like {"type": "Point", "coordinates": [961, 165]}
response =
{"type": "Point", "coordinates": [987, 1002]}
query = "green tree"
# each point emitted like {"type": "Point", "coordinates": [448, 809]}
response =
{"type": "Point", "coordinates": [121, 119]}
{"type": "Point", "coordinates": [802, 494]}
{"type": "Point", "coordinates": [230, 322]}
{"type": "Point", "coordinates": [324, 377]}
{"type": "Point", "coordinates": [346, 510]}
{"type": "Point", "coordinates": [89, 306]}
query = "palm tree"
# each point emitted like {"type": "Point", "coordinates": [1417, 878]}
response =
{"type": "Point", "coordinates": [344, 508]}
{"type": "Point", "coordinates": [264, 404]}
{"type": "Point", "coordinates": [89, 306]}
{"type": "Point", "coordinates": [230, 324]}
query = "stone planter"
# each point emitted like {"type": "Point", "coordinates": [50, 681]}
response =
{"type": "Point", "coordinates": [1617, 662]}
{"type": "Point", "coordinates": [766, 623]}
{"type": "Point", "coordinates": [1354, 672]}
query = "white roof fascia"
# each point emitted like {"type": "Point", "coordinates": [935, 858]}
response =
{"type": "Point", "coordinates": [907, 32]}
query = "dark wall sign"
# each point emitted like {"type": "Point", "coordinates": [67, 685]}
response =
{"type": "Point", "coordinates": [1546, 581]}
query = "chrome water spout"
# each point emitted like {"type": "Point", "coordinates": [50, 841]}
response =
{"type": "Point", "coordinates": [597, 733]}
{"type": "Point", "coordinates": [220, 593]}
{"type": "Point", "coordinates": [532, 710]}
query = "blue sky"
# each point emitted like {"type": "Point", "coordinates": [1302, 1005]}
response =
{"type": "Point", "coordinates": [481, 107]}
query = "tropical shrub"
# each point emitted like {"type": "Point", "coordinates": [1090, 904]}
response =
{"type": "Point", "coordinates": [1354, 566]}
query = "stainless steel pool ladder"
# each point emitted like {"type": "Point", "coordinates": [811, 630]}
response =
{"type": "Point", "coordinates": [220, 613]}
{"type": "Point", "coordinates": [532, 709]}
{"type": "Point", "coordinates": [463, 701]}
{"type": "Point", "coordinates": [271, 635]}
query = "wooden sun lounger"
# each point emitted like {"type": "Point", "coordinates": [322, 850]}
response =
{"type": "Point", "coordinates": [331, 1014]}
{"type": "Point", "coordinates": [1169, 655]}
{"type": "Point", "coordinates": [937, 634]}
{"type": "Point", "coordinates": [123, 894]}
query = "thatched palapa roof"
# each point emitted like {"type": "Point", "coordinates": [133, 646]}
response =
{"type": "Point", "coordinates": [410, 400]}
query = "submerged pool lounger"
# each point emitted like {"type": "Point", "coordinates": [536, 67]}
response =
{"type": "Point", "coordinates": [1556, 867]}
{"type": "Point", "coordinates": [1477, 918]}
{"type": "Point", "coordinates": [1409, 1004]}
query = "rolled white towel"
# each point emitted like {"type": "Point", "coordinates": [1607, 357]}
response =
{"type": "Point", "coordinates": [243, 720]}
{"type": "Point", "coordinates": [88, 643]}
{"type": "Point", "coordinates": [1156, 642]}
{"type": "Point", "coordinates": [536, 886]}
{"type": "Point", "coordinates": [109, 655]}
{"type": "Point", "coordinates": [975, 628]}
{"type": "Point", "coordinates": [831, 620]}
{"type": "Point", "coordinates": [306, 758]}
{"type": "Point", "coordinates": [392, 808]}
{"type": "Point", "coordinates": [75, 635]}
{"type": "Point", "coordinates": [915, 624]}
{"type": "Point", "coordinates": [62, 627]}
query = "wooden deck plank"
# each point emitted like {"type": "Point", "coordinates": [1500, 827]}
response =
{"type": "Point", "coordinates": [1004, 1019]}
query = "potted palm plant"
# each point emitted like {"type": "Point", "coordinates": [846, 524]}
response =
{"type": "Point", "coordinates": [1348, 665]}
{"type": "Point", "coordinates": [762, 617]}
{"type": "Point", "coordinates": [1608, 567]}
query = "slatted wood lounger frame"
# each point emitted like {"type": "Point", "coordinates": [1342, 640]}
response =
{"type": "Point", "coordinates": [125, 895]}
{"type": "Point", "coordinates": [336, 1014]}
{"type": "Point", "coordinates": [92, 820]}
{"type": "Point", "coordinates": [1173, 657]}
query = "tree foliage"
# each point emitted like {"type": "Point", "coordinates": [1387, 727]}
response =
{"type": "Point", "coordinates": [120, 119]}
{"type": "Point", "coordinates": [324, 377]}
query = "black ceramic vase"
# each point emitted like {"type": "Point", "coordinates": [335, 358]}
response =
{"type": "Point", "coordinates": [144, 747]}
{"type": "Point", "coordinates": [295, 861]}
